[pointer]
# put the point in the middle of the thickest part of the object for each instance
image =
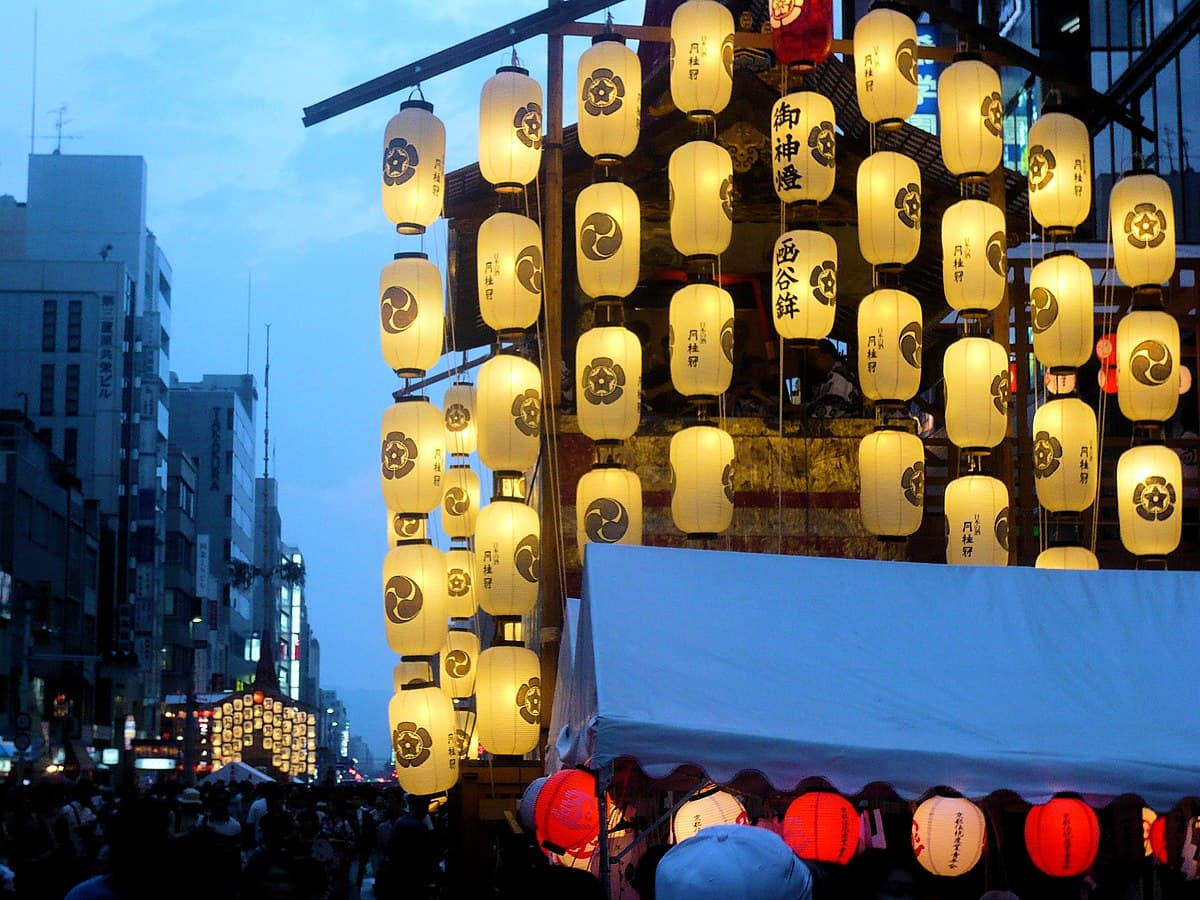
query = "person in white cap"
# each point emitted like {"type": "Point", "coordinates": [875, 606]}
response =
{"type": "Point", "coordinates": [732, 862]}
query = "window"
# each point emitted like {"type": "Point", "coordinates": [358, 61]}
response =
{"type": "Point", "coordinates": [46, 407]}
{"type": "Point", "coordinates": [71, 447]}
{"type": "Point", "coordinates": [74, 326]}
{"type": "Point", "coordinates": [71, 398]}
{"type": "Point", "coordinates": [49, 325]}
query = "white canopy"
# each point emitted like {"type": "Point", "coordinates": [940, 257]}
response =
{"type": "Point", "coordinates": [236, 771]}
{"type": "Point", "coordinates": [918, 675]}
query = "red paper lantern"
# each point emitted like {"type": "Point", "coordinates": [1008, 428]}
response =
{"type": "Point", "coordinates": [567, 813]}
{"type": "Point", "coordinates": [1158, 839]}
{"type": "Point", "coordinates": [1062, 836]}
{"type": "Point", "coordinates": [1106, 349]}
{"type": "Point", "coordinates": [1107, 379]}
{"type": "Point", "coordinates": [802, 31]}
{"type": "Point", "coordinates": [821, 826]}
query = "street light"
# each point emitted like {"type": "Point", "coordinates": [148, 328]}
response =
{"type": "Point", "coordinates": [189, 723]}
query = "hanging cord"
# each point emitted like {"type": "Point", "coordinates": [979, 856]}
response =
{"type": "Point", "coordinates": [1038, 390]}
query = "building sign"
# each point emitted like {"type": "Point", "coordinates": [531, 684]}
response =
{"type": "Point", "coordinates": [105, 367]}
{"type": "Point", "coordinates": [202, 565]}
{"type": "Point", "coordinates": [214, 458]}
{"type": "Point", "coordinates": [5, 595]}
{"type": "Point", "coordinates": [928, 72]}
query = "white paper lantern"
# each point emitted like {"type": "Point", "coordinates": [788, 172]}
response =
{"type": "Point", "coordinates": [977, 392]}
{"type": "Point", "coordinates": [510, 129]}
{"type": "Point", "coordinates": [707, 807]}
{"type": "Point", "coordinates": [885, 66]}
{"type": "Point", "coordinates": [701, 184]}
{"type": "Point", "coordinates": [406, 527]}
{"type": "Point", "coordinates": [509, 412]}
{"type": "Point", "coordinates": [701, 340]}
{"type": "Point", "coordinates": [889, 346]}
{"type": "Point", "coordinates": [411, 317]}
{"type": "Point", "coordinates": [421, 720]}
{"type": "Point", "coordinates": [508, 553]}
{"type": "Point", "coordinates": [462, 575]}
{"type": "Point", "coordinates": [891, 471]}
{"type": "Point", "coordinates": [608, 239]}
{"type": "Point", "coordinates": [462, 430]}
{"type": "Point", "coordinates": [460, 504]}
{"type": "Point", "coordinates": [1066, 467]}
{"type": "Point", "coordinates": [508, 700]}
{"type": "Point", "coordinates": [412, 456]}
{"type": "Point", "coordinates": [970, 118]}
{"type": "Point", "coordinates": [466, 735]}
{"type": "Point", "coordinates": [977, 525]}
{"type": "Point", "coordinates": [510, 271]}
{"type": "Point", "coordinates": [1142, 222]}
{"type": "Point", "coordinates": [608, 507]}
{"type": "Point", "coordinates": [608, 382]}
{"type": "Point", "coordinates": [889, 209]}
{"type": "Point", "coordinates": [414, 167]}
{"type": "Point", "coordinates": [804, 284]}
{"type": "Point", "coordinates": [609, 80]}
{"type": "Point", "coordinates": [1148, 365]}
{"type": "Point", "coordinates": [1149, 500]}
{"type": "Point", "coordinates": [411, 671]}
{"type": "Point", "coordinates": [701, 480]}
{"type": "Point", "coordinates": [414, 599]}
{"type": "Point", "coordinates": [1067, 558]}
{"type": "Point", "coordinates": [459, 659]}
{"type": "Point", "coordinates": [1061, 310]}
{"type": "Point", "coordinates": [974, 255]}
{"type": "Point", "coordinates": [948, 835]}
{"type": "Point", "coordinates": [1060, 172]}
{"type": "Point", "coordinates": [701, 58]}
{"type": "Point", "coordinates": [803, 147]}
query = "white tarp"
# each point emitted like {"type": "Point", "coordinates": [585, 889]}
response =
{"type": "Point", "coordinates": [979, 678]}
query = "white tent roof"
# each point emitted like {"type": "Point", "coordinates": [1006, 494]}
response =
{"type": "Point", "coordinates": [918, 675]}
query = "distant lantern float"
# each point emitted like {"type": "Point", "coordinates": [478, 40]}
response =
{"type": "Point", "coordinates": [1149, 496]}
{"type": "Point", "coordinates": [608, 507]}
{"type": "Point", "coordinates": [460, 503]}
{"type": "Point", "coordinates": [701, 340]}
{"type": "Point", "coordinates": [948, 835]}
{"type": "Point", "coordinates": [1065, 455]}
{"type": "Point", "coordinates": [803, 147]}
{"type": "Point", "coordinates": [1067, 557]}
{"type": "Point", "coordinates": [608, 382]}
{"type": "Point", "coordinates": [411, 314]}
{"type": "Point", "coordinates": [459, 662]}
{"type": "Point", "coordinates": [414, 599]}
{"type": "Point", "coordinates": [510, 129]}
{"type": "Point", "coordinates": [1142, 223]}
{"type": "Point", "coordinates": [701, 459]}
{"type": "Point", "coordinates": [891, 467]}
{"type": "Point", "coordinates": [885, 66]}
{"type": "Point", "coordinates": [1147, 365]}
{"type": "Point", "coordinates": [608, 239]}
{"type": "Point", "coordinates": [462, 575]}
{"type": "Point", "coordinates": [977, 521]}
{"type": "Point", "coordinates": [801, 32]}
{"type": "Point", "coordinates": [804, 284]}
{"type": "Point", "coordinates": [889, 209]}
{"type": "Point", "coordinates": [1062, 836]}
{"type": "Point", "coordinates": [509, 396]}
{"type": "Point", "coordinates": [701, 58]}
{"type": "Point", "coordinates": [974, 256]}
{"type": "Point", "coordinates": [462, 429]}
{"type": "Point", "coordinates": [509, 269]}
{"type": "Point", "coordinates": [508, 551]}
{"type": "Point", "coordinates": [421, 721]}
{"type": "Point", "coordinates": [970, 118]}
{"type": "Point", "coordinates": [414, 167]}
{"type": "Point", "coordinates": [412, 456]}
{"type": "Point", "coordinates": [707, 807]}
{"type": "Point", "coordinates": [609, 85]}
{"type": "Point", "coordinates": [700, 175]}
{"type": "Point", "coordinates": [1061, 310]}
{"type": "Point", "coordinates": [508, 699]}
{"type": "Point", "coordinates": [567, 812]}
{"type": "Point", "coordinates": [1060, 172]}
{"type": "Point", "coordinates": [822, 826]}
{"type": "Point", "coordinates": [890, 336]}
{"type": "Point", "coordinates": [978, 389]}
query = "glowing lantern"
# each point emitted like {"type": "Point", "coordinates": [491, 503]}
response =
{"type": "Point", "coordinates": [509, 413]}
{"type": "Point", "coordinates": [701, 182]}
{"type": "Point", "coordinates": [889, 345]}
{"type": "Point", "coordinates": [1147, 361]}
{"type": "Point", "coordinates": [608, 382]}
{"type": "Point", "coordinates": [462, 431]}
{"type": "Point", "coordinates": [406, 527]}
{"type": "Point", "coordinates": [977, 392]}
{"type": "Point", "coordinates": [460, 505]}
{"type": "Point", "coordinates": [1060, 172]}
{"type": "Point", "coordinates": [608, 239]}
{"type": "Point", "coordinates": [821, 826]}
{"type": "Point", "coordinates": [971, 118]}
{"type": "Point", "coordinates": [1067, 558]}
{"type": "Point", "coordinates": [567, 813]}
{"type": "Point", "coordinates": [804, 284]}
{"type": "Point", "coordinates": [508, 543]}
{"type": "Point", "coordinates": [421, 720]}
{"type": "Point", "coordinates": [1065, 458]}
{"type": "Point", "coordinates": [885, 66]}
{"type": "Point", "coordinates": [976, 521]}
{"type": "Point", "coordinates": [1157, 838]}
{"type": "Point", "coordinates": [1149, 494]}
{"type": "Point", "coordinates": [891, 471]}
{"type": "Point", "coordinates": [804, 147]}
{"type": "Point", "coordinates": [609, 79]}
{"type": "Point", "coordinates": [414, 599]}
{"type": "Point", "coordinates": [465, 736]}
{"type": "Point", "coordinates": [889, 209]}
{"type": "Point", "coordinates": [1061, 310]}
{"type": "Point", "coordinates": [608, 506]}
{"type": "Point", "coordinates": [701, 340]}
{"type": "Point", "coordinates": [701, 480]}
{"type": "Point", "coordinates": [974, 255]}
{"type": "Point", "coordinates": [948, 835]}
{"type": "Point", "coordinates": [1062, 836]}
{"type": "Point", "coordinates": [410, 671]}
{"type": "Point", "coordinates": [701, 58]}
{"type": "Point", "coordinates": [458, 661]}
{"type": "Point", "coordinates": [414, 167]}
{"type": "Point", "coordinates": [412, 451]}
{"type": "Point", "coordinates": [462, 575]}
{"type": "Point", "coordinates": [508, 699]}
{"type": "Point", "coordinates": [411, 319]}
{"type": "Point", "coordinates": [707, 807]}
{"type": "Point", "coordinates": [801, 31]}
{"type": "Point", "coordinates": [510, 129]}
{"type": "Point", "coordinates": [525, 810]}
{"type": "Point", "coordinates": [509, 268]}
{"type": "Point", "coordinates": [1142, 221]}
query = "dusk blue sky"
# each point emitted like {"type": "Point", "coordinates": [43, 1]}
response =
{"type": "Point", "coordinates": [211, 95]}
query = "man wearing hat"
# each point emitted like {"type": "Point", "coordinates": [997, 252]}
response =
{"type": "Point", "coordinates": [732, 862]}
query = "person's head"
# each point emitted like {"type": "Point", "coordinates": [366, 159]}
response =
{"type": "Point", "coordinates": [418, 805]}
{"type": "Point", "coordinates": [726, 861]}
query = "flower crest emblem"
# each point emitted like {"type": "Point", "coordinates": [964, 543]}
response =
{"type": "Point", "coordinates": [1047, 453]}
{"type": "Point", "coordinates": [400, 161]}
{"type": "Point", "coordinates": [529, 700]}
{"type": "Point", "coordinates": [527, 412]}
{"type": "Point", "coordinates": [603, 381]}
{"type": "Point", "coordinates": [528, 124]}
{"type": "Point", "coordinates": [412, 745]}
{"type": "Point", "coordinates": [398, 455]}
{"type": "Point", "coordinates": [603, 92]}
{"type": "Point", "coordinates": [1154, 499]}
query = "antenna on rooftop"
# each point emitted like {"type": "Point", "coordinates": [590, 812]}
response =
{"type": "Point", "coordinates": [60, 122]}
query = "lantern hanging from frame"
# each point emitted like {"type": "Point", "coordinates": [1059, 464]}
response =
{"type": "Point", "coordinates": [1065, 461]}
{"type": "Point", "coordinates": [1148, 365]}
{"type": "Point", "coordinates": [804, 284]}
{"type": "Point", "coordinates": [462, 575]}
{"type": "Point", "coordinates": [608, 507]}
{"type": "Point", "coordinates": [700, 341]}
{"type": "Point", "coordinates": [608, 382]}
{"type": "Point", "coordinates": [970, 118]}
{"type": "Point", "coordinates": [1062, 836]}
{"type": "Point", "coordinates": [414, 167]}
{"type": "Point", "coordinates": [889, 209]}
{"type": "Point", "coordinates": [411, 671]}
{"type": "Point", "coordinates": [510, 129]}
{"type": "Point", "coordinates": [701, 459]}
{"type": "Point", "coordinates": [1067, 557]}
{"type": "Point", "coordinates": [1149, 496]}
{"type": "Point", "coordinates": [406, 527]}
{"type": "Point", "coordinates": [609, 84]}
{"type": "Point", "coordinates": [801, 32]}
{"type": "Point", "coordinates": [461, 501]}
{"type": "Point", "coordinates": [822, 826]}
{"type": "Point", "coordinates": [803, 147]}
{"type": "Point", "coordinates": [509, 412]}
{"type": "Point", "coordinates": [889, 345]}
{"type": "Point", "coordinates": [608, 239]}
{"type": "Point", "coordinates": [977, 521]}
{"type": "Point", "coordinates": [978, 388]}
{"type": "Point", "coordinates": [462, 430]}
{"type": "Point", "coordinates": [1061, 310]}
{"type": "Point", "coordinates": [459, 657]}
{"type": "Point", "coordinates": [414, 599]}
{"type": "Point", "coordinates": [891, 467]}
{"type": "Point", "coordinates": [885, 66]}
{"type": "Point", "coordinates": [948, 835]}
{"type": "Point", "coordinates": [700, 174]}
{"type": "Point", "coordinates": [701, 58]}
{"type": "Point", "coordinates": [974, 255]}
{"type": "Point", "coordinates": [412, 456]}
{"type": "Point", "coordinates": [411, 314]}
{"type": "Point", "coordinates": [1142, 224]}
{"type": "Point", "coordinates": [1060, 172]}
{"type": "Point", "coordinates": [567, 812]}
{"type": "Point", "coordinates": [508, 699]}
{"type": "Point", "coordinates": [508, 551]}
{"type": "Point", "coordinates": [421, 722]}
{"type": "Point", "coordinates": [707, 807]}
{"type": "Point", "coordinates": [509, 267]}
